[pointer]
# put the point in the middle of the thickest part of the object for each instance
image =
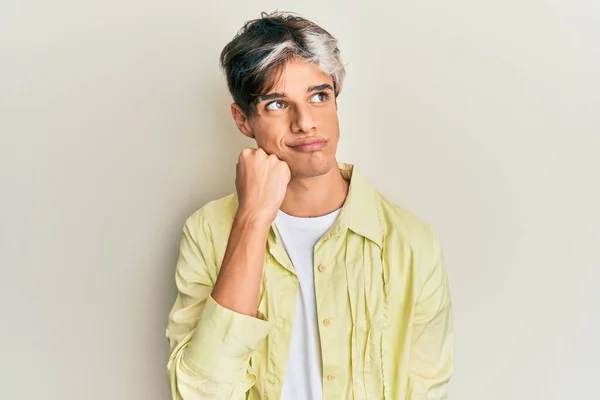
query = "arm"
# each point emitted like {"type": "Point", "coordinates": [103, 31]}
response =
{"type": "Point", "coordinates": [238, 284]}
{"type": "Point", "coordinates": [431, 362]}
{"type": "Point", "coordinates": [211, 334]}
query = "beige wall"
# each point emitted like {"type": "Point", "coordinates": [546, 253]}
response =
{"type": "Point", "coordinates": [481, 117]}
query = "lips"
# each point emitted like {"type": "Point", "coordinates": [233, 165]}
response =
{"type": "Point", "coordinates": [309, 144]}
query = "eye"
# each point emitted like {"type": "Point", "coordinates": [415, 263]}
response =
{"type": "Point", "coordinates": [275, 105]}
{"type": "Point", "coordinates": [319, 97]}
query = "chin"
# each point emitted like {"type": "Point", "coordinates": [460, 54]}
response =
{"type": "Point", "coordinates": [311, 170]}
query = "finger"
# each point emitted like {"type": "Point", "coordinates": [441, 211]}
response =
{"type": "Point", "coordinates": [246, 152]}
{"type": "Point", "coordinates": [261, 154]}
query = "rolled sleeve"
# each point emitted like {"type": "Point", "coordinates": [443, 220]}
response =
{"type": "Point", "coordinates": [224, 340]}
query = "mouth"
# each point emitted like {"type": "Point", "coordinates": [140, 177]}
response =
{"type": "Point", "coordinates": [308, 145]}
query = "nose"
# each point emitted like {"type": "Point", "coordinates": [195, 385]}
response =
{"type": "Point", "coordinates": [302, 120]}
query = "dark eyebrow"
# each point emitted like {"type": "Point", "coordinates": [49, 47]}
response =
{"type": "Point", "coordinates": [272, 96]}
{"type": "Point", "coordinates": [323, 86]}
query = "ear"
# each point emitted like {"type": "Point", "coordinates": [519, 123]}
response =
{"type": "Point", "coordinates": [241, 121]}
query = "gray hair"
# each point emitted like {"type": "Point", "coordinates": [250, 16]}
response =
{"type": "Point", "coordinates": [254, 59]}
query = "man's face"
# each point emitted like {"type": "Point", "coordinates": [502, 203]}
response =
{"type": "Point", "coordinates": [298, 122]}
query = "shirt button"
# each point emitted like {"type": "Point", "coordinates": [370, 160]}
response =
{"type": "Point", "coordinates": [326, 322]}
{"type": "Point", "coordinates": [322, 268]}
{"type": "Point", "coordinates": [330, 377]}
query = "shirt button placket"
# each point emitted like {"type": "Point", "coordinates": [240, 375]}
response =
{"type": "Point", "coordinates": [326, 323]}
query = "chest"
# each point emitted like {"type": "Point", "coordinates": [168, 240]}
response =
{"type": "Point", "coordinates": [362, 300]}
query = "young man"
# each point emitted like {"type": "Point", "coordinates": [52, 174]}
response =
{"type": "Point", "coordinates": [307, 283]}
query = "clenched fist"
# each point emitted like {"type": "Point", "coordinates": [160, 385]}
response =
{"type": "Point", "coordinates": [261, 183]}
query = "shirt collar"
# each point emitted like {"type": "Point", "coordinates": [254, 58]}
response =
{"type": "Point", "coordinates": [361, 212]}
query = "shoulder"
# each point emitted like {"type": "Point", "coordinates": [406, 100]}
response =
{"type": "Point", "coordinates": [402, 224]}
{"type": "Point", "coordinates": [409, 237]}
{"type": "Point", "coordinates": [214, 217]}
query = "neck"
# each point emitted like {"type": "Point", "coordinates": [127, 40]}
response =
{"type": "Point", "coordinates": [315, 196]}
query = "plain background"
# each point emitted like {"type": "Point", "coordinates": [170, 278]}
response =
{"type": "Point", "coordinates": [482, 117]}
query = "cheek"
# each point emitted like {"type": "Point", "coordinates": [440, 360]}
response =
{"type": "Point", "coordinates": [329, 123]}
{"type": "Point", "coordinates": [269, 138]}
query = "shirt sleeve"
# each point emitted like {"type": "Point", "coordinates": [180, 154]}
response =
{"type": "Point", "coordinates": [431, 362]}
{"type": "Point", "coordinates": [210, 345]}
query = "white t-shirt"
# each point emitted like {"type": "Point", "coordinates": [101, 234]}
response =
{"type": "Point", "coordinates": [303, 376]}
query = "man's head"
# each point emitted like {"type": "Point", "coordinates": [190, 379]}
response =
{"type": "Point", "coordinates": [284, 73]}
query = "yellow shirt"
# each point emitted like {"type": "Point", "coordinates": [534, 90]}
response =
{"type": "Point", "coordinates": [382, 298]}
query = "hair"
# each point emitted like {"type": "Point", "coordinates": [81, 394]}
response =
{"type": "Point", "coordinates": [254, 60]}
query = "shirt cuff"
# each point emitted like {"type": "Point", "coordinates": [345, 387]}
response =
{"type": "Point", "coordinates": [223, 341]}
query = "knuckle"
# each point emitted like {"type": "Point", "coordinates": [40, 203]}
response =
{"type": "Point", "coordinates": [261, 154]}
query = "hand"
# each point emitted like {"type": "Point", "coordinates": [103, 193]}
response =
{"type": "Point", "coordinates": [261, 183]}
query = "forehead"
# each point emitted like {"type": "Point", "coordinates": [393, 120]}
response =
{"type": "Point", "coordinates": [298, 75]}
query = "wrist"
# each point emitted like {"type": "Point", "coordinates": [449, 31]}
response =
{"type": "Point", "coordinates": [256, 219]}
